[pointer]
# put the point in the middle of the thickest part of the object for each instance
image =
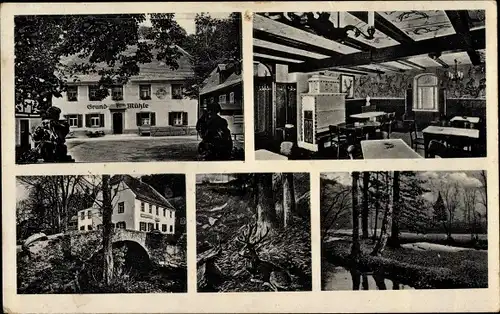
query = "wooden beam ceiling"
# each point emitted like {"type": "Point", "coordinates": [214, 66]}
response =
{"type": "Point", "coordinates": [390, 68]}
{"type": "Point", "coordinates": [282, 40]}
{"type": "Point", "coordinates": [436, 58]}
{"type": "Point", "coordinates": [367, 70]}
{"type": "Point", "coordinates": [281, 54]}
{"type": "Point", "coordinates": [452, 43]}
{"type": "Point", "coordinates": [411, 64]}
{"type": "Point", "coordinates": [384, 26]}
{"type": "Point", "coordinates": [266, 60]}
{"type": "Point", "coordinates": [460, 22]}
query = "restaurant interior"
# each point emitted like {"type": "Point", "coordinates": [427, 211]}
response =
{"type": "Point", "coordinates": [369, 85]}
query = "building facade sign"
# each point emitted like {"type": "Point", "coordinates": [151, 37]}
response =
{"type": "Point", "coordinates": [97, 107]}
{"type": "Point", "coordinates": [119, 106]}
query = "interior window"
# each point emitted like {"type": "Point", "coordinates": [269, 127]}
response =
{"type": "Point", "coordinates": [425, 92]}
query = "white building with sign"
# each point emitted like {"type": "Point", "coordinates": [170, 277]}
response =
{"type": "Point", "coordinates": [136, 206]}
{"type": "Point", "coordinates": [151, 100]}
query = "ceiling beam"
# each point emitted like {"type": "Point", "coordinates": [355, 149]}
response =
{"type": "Point", "coordinates": [367, 70]}
{"type": "Point", "coordinates": [450, 43]}
{"type": "Point", "coordinates": [281, 54]}
{"type": "Point", "coordinates": [436, 58]}
{"type": "Point", "coordinates": [273, 61]}
{"type": "Point", "coordinates": [285, 41]}
{"type": "Point", "coordinates": [390, 67]}
{"type": "Point", "coordinates": [356, 44]}
{"type": "Point", "coordinates": [411, 64]}
{"type": "Point", "coordinates": [349, 71]}
{"type": "Point", "coordinates": [460, 22]}
{"type": "Point", "coordinates": [384, 26]}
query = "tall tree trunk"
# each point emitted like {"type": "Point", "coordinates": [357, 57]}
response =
{"type": "Point", "coordinates": [355, 248]}
{"type": "Point", "coordinates": [364, 213]}
{"type": "Point", "coordinates": [377, 209]}
{"type": "Point", "coordinates": [394, 242]}
{"type": "Point", "coordinates": [288, 198]}
{"type": "Point", "coordinates": [356, 278]}
{"type": "Point", "coordinates": [107, 230]}
{"type": "Point", "coordinates": [386, 223]}
{"type": "Point", "coordinates": [266, 213]}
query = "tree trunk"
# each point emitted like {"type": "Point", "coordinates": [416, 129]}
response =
{"type": "Point", "coordinates": [107, 230]}
{"type": "Point", "coordinates": [364, 213]}
{"type": "Point", "coordinates": [355, 248]}
{"type": "Point", "coordinates": [394, 242]}
{"type": "Point", "coordinates": [288, 198]}
{"type": "Point", "coordinates": [377, 208]}
{"type": "Point", "coordinates": [356, 278]}
{"type": "Point", "coordinates": [266, 213]}
{"type": "Point", "coordinates": [386, 223]}
{"type": "Point", "coordinates": [379, 281]}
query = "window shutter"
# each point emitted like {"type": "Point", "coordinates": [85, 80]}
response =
{"type": "Point", "coordinates": [184, 118]}
{"type": "Point", "coordinates": [138, 118]}
{"type": "Point", "coordinates": [79, 118]}
{"type": "Point", "coordinates": [170, 118]}
{"type": "Point", "coordinates": [87, 120]}
{"type": "Point", "coordinates": [101, 120]}
{"type": "Point", "coordinates": [153, 119]}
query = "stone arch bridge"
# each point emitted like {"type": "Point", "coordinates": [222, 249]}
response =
{"type": "Point", "coordinates": [161, 249]}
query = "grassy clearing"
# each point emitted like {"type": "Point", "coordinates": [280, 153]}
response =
{"type": "Point", "coordinates": [419, 269]}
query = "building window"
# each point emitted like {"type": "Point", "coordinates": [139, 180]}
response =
{"type": "Point", "coordinates": [145, 92]}
{"type": "Point", "coordinates": [157, 227]}
{"type": "Point", "coordinates": [164, 228]}
{"type": "Point", "coordinates": [145, 118]}
{"type": "Point", "coordinates": [93, 93]}
{"type": "Point", "coordinates": [176, 91]}
{"type": "Point", "coordinates": [142, 226]}
{"type": "Point", "coordinates": [150, 226]}
{"type": "Point", "coordinates": [72, 93]}
{"type": "Point", "coordinates": [74, 120]}
{"type": "Point", "coordinates": [94, 120]}
{"type": "Point", "coordinates": [89, 214]}
{"type": "Point", "coordinates": [121, 207]}
{"type": "Point", "coordinates": [82, 228]}
{"type": "Point", "coordinates": [121, 225]}
{"type": "Point", "coordinates": [150, 209]}
{"type": "Point", "coordinates": [117, 92]}
{"type": "Point", "coordinates": [177, 118]}
{"type": "Point", "coordinates": [425, 89]}
{"type": "Point", "coordinates": [142, 206]}
{"type": "Point", "coordinates": [171, 213]}
{"type": "Point", "coordinates": [157, 211]}
{"type": "Point", "coordinates": [164, 212]}
{"type": "Point", "coordinates": [204, 104]}
{"type": "Point", "coordinates": [82, 215]}
{"type": "Point", "coordinates": [231, 97]}
{"type": "Point", "coordinates": [89, 227]}
{"type": "Point", "coordinates": [172, 228]}
{"type": "Point", "coordinates": [222, 99]}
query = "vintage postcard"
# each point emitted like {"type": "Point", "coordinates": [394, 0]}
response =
{"type": "Point", "coordinates": [250, 157]}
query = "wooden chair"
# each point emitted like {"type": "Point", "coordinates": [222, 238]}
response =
{"type": "Point", "coordinates": [337, 139]}
{"type": "Point", "coordinates": [415, 139]}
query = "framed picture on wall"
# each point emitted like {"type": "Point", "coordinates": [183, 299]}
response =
{"type": "Point", "coordinates": [347, 85]}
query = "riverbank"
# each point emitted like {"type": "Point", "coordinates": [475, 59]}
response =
{"type": "Point", "coordinates": [419, 269]}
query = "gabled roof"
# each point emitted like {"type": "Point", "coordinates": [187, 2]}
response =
{"type": "Point", "coordinates": [212, 82]}
{"type": "Point", "coordinates": [154, 70]}
{"type": "Point", "coordinates": [143, 191]}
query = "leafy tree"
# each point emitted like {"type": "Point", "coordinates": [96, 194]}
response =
{"type": "Point", "coordinates": [107, 230]}
{"type": "Point", "coordinates": [440, 212]}
{"type": "Point", "coordinates": [387, 219]}
{"type": "Point", "coordinates": [413, 208]}
{"type": "Point", "coordinates": [101, 42]}
{"type": "Point", "coordinates": [215, 41]}
{"type": "Point", "coordinates": [335, 203]}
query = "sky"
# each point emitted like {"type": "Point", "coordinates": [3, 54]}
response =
{"type": "Point", "coordinates": [186, 20]}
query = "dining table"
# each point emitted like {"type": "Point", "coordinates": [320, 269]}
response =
{"type": "Point", "coordinates": [472, 120]}
{"type": "Point", "coordinates": [264, 154]}
{"type": "Point", "coordinates": [371, 115]}
{"type": "Point", "coordinates": [442, 133]}
{"type": "Point", "coordinates": [388, 149]}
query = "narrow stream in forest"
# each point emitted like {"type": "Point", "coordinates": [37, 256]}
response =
{"type": "Point", "coordinates": [339, 278]}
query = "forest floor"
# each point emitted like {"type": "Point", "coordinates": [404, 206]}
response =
{"type": "Point", "coordinates": [47, 271]}
{"type": "Point", "coordinates": [220, 216]}
{"type": "Point", "coordinates": [417, 268]}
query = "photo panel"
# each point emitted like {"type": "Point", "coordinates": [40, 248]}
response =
{"type": "Point", "coordinates": [369, 84]}
{"type": "Point", "coordinates": [128, 87]}
{"type": "Point", "coordinates": [101, 234]}
{"type": "Point", "coordinates": [253, 232]}
{"type": "Point", "coordinates": [414, 230]}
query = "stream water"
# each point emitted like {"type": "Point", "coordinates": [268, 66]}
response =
{"type": "Point", "coordinates": [338, 278]}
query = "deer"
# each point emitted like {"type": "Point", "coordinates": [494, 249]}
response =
{"type": "Point", "coordinates": [267, 273]}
